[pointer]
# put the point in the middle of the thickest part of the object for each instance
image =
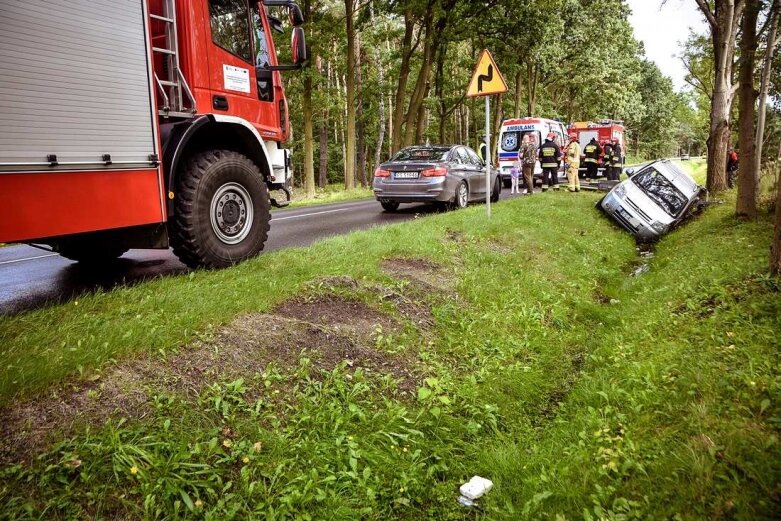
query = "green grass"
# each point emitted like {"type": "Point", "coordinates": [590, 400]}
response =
{"type": "Point", "coordinates": [697, 168]}
{"type": "Point", "coordinates": [333, 193]}
{"type": "Point", "coordinates": [581, 391]}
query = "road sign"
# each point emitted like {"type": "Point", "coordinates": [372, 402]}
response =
{"type": "Point", "coordinates": [487, 79]}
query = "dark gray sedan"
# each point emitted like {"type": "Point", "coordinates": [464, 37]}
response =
{"type": "Point", "coordinates": [441, 174]}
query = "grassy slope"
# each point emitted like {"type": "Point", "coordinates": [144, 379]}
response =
{"type": "Point", "coordinates": [578, 389]}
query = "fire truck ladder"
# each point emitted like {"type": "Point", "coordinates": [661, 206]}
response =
{"type": "Point", "coordinates": [177, 98]}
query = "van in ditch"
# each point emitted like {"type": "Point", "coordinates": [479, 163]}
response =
{"type": "Point", "coordinates": [656, 198]}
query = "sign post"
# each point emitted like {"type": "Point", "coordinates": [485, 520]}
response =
{"type": "Point", "coordinates": [489, 159]}
{"type": "Point", "coordinates": [487, 80]}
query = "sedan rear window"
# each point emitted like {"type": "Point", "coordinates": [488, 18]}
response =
{"type": "Point", "coordinates": [421, 154]}
{"type": "Point", "coordinates": [660, 190]}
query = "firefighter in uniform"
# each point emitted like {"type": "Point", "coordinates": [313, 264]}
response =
{"type": "Point", "coordinates": [607, 158]}
{"type": "Point", "coordinates": [592, 153]}
{"type": "Point", "coordinates": [618, 161]}
{"type": "Point", "coordinates": [573, 165]}
{"type": "Point", "coordinates": [550, 156]}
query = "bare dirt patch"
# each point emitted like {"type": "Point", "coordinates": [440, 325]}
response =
{"type": "Point", "coordinates": [426, 274]}
{"type": "Point", "coordinates": [491, 244]}
{"type": "Point", "coordinates": [327, 329]}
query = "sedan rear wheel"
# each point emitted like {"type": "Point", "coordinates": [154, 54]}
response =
{"type": "Point", "coordinates": [462, 196]}
{"type": "Point", "coordinates": [496, 191]}
{"type": "Point", "coordinates": [390, 206]}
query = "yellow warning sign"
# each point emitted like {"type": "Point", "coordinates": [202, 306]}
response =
{"type": "Point", "coordinates": [487, 79]}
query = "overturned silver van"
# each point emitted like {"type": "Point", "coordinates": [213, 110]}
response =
{"type": "Point", "coordinates": [654, 199]}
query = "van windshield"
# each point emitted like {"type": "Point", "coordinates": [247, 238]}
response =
{"type": "Point", "coordinates": [660, 190]}
{"type": "Point", "coordinates": [511, 140]}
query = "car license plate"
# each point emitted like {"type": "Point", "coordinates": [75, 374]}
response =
{"type": "Point", "coordinates": [406, 175]}
{"type": "Point", "coordinates": [634, 222]}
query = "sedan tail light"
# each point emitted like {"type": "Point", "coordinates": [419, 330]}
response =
{"type": "Point", "coordinates": [439, 171]}
{"type": "Point", "coordinates": [381, 173]}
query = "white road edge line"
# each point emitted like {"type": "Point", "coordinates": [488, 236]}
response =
{"type": "Point", "coordinates": [28, 258]}
{"type": "Point", "coordinates": [308, 214]}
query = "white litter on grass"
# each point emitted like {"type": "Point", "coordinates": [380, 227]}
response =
{"type": "Point", "coordinates": [475, 488]}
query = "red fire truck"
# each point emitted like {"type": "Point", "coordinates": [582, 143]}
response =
{"type": "Point", "coordinates": [143, 124]}
{"type": "Point", "coordinates": [604, 132]}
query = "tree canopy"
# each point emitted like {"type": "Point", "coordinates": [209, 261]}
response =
{"type": "Point", "coordinates": [404, 78]}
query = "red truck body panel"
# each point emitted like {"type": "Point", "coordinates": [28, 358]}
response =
{"type": "Point", "coordinates": [40, 204]}
{"type": "Point", "coordinates": [61, 203]}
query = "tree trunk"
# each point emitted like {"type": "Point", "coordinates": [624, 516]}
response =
{"type": "Point", "coordinates": [531, 88]}
{"type": "Point", "coordinates": [401, 85]}
{"type": "Point", "coordinates": [411, 121]}
{"type": "Point", "coordinates": [306, 109]}
{"type": "Point", "coordinates": [349, 159]}
{"type": "Point", "coordinates": [435, 35]}
{"type": "Point", "coordinates": [747, 180]}
{"type": "Point", "coordinates": [773, 40]}
{"type": "Point", "coordinates": [381, 107]}
{"type": "Point", "coordinates": [724, 21]}
{"type": "Point", "coordinates": [422, 122]}
{"type": "Point", "coordinates": [360, 124]}
{"type": "Point", "coordinates": [439, 92]}
{"type": "Point", "coordinates": [309, 140]}
{"type": "Point", "coordinates": [775, 248]}
{"type": "Point", "coordinates": [518, 88]}
{"type": "Point", "coordinates": [322, 179]}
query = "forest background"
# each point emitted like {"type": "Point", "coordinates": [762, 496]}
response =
{"type": "Point", "coordinates": [386, 74]}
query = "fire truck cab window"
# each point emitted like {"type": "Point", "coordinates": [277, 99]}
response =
{"type": "Point", "coordinates": [230, 27]}
{"type": "Point", "coordinates": [262, 60]}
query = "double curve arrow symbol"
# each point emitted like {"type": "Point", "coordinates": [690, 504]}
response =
{"type": "Point", "coordinates": [485, 77]}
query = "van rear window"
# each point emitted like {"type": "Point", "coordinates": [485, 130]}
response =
{"type": "Point", "coordinates": [660, 190]}
{"type": "Point", "coordinates": [421, 154]}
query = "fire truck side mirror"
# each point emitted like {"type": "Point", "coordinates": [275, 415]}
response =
{"type": "Point", "coordinates": [276, 24]}
{"type": "Point", "coordinates": [296, 16]}
{"type": "Point", "coordinates": [298, 45]}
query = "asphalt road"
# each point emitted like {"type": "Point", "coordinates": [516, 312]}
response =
{"type": "Point", "coordinates": [31, 278]}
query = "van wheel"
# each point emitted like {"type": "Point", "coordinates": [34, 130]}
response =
{"type": "Point", "coordinates": [222, 210]}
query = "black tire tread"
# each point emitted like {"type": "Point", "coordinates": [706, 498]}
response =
{"type": "Point", "coordinates": [183, 236]}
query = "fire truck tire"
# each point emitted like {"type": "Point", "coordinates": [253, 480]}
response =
{"type": "Point", "coordinates": [89, 252]}
{"type": "Point", "coordinates": [222, 210]}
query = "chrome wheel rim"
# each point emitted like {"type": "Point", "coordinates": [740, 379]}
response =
{"type": "Point", "coordinates": [231, 213]}
{"type": "Point", "coordinates": [462, 194]}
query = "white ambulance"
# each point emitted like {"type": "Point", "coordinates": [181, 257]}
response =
{"type": "Point", "coordinates": [511, 134]}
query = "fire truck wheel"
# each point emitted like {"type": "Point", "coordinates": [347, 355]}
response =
{"type": "Point", "coordinates": [89, 252]}
{"type": "Point", "coordinates": [222, 210]}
